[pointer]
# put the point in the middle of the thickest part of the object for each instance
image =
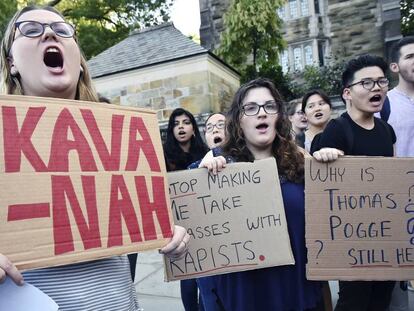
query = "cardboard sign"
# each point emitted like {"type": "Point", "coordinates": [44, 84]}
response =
{"type": "Point", "coordinates": [360, 219]}
{"type": "Point", "coordinates": [79, 181]}
{"type": "Point", "coordinates": [236, 220]}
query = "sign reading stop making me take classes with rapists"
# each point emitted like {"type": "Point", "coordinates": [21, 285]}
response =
{"type": "Point", "coordinates": [235, 219]}
{"type": "Point", "coordinates": [79, 181]}
{"type": "Point", "coordinates": [360, 219]}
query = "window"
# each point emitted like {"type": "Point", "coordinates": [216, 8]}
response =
{"type": "Point", "coordinates": [284, 61]}
{"type": "Point", "coordinates": [308, 55]}
{"type": "Point", "coordinates": [297, 56]}
{"type": "Point", "coordinates": [297, 59]}
{"type": "Point", "coordinates": [304, 7]}
{"type": "Point", "coordinates": [294, 9]}
{"type": "Point", "coordinates": [293, 6]}
{"type": "Point", "coordinates": [281, 12]}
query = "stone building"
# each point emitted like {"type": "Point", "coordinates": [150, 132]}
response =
{"type": "Point", "coordinates": [318, 31]}
{"type": "Point", "coordinates": [161, 69]}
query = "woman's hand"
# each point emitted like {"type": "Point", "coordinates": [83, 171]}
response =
{"type": "Point", "coordinates": [178, 245]}
{"type": "Point", "coordinates": [327, 154]}
{"type": "Point", "coordinates": [212, 163]}
{"type": "Point", "coordinates": [7, 268]}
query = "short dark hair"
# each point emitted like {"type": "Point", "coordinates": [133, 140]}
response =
{"type": "Point", "coordinates": [359, 63]}
{"type": "Point", "coordinates": [321, 93]}
{"type": "Point", "coordinates": [396, 48]}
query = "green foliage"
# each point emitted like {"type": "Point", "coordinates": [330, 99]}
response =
{"type": "Point", "coordinates": [99, 23]}
{"type": "Point", "coordinates": [7, 10]}
{"type": "Point", "coordinates": [407, 17]}
{"type": "Point", "coordinates": [252, 29]}
{"type": "Point", "coordinates": [327, 78]}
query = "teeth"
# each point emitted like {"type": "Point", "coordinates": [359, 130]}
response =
{"type": "Point", "coordinates": [52, 50]}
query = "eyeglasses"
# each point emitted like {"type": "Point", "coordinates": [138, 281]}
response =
{"type": "Point", "coordinates": [218, 125]}
{"type": "Point", "coordinates": [33, 29]}
{"type": "Point", "coordinates": [369, 84]}
{"type": "Point", "coordinates": [252, 108]}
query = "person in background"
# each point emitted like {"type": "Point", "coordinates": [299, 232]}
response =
{"type": "Point", "coordinates": [299, 123]}
{"type": "Point", "coordinates": [40, 56]}
{"type": "Point", "coordinates": [183, 146]}
{"type": "Point", "coordinates": [364, 90]}
{"type": "Point", "coordinates": [258, 128]}
{"type": "Point", "coordinates": [317, 107]}
{"type": "Point", "coordinates": [401, 118]}
{"type": "Point", "coordinates": [214, 130]}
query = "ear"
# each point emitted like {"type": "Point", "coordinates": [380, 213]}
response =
{"type": "Point", "coordinates": [346, 94]}
{"type": "Point", "coordinates": [13, 69]}
{"type": "Point", "coordinates": [394, 67]}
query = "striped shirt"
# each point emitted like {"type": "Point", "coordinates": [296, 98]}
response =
{"type": "Point", "coordinates": [101, 285]}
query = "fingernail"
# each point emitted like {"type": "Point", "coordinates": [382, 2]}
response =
{"type": "Point", "coordinates": [21, 282]}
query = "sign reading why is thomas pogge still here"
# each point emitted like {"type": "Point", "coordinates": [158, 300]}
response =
{"type": "Point", "coordinates": [360, 219]}
{"type": "Point", "coordinates": [236, 220]}
{"type": "Point", "coordinates": [79, 181]}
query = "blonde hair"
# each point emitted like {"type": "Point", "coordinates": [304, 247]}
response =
{"type": "Point", "coordinates": [10, 84]}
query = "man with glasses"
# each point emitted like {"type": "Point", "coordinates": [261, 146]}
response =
{"type": "Point", "coordinates": [358, 132]}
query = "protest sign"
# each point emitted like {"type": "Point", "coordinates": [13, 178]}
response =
{"type": "Point", "coordinates": [79, 181]}
{"type": "Point", "coordinates": [360, 219]}
{"type": "Point", "coordinates": [235, 219]}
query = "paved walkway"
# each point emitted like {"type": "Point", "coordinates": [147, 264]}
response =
{"type": "Point", "coordinates": [156, 295]}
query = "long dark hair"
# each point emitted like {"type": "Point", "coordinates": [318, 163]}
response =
{"type": "Point", "coordinates": [290, 160]}
{"type": "Point", "coordinates": [175, 157]}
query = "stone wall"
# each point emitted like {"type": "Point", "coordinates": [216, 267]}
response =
{"type": "Point", "coordinates": [356, 28]}
{"type": "Point", "coordinates": [200, 92]}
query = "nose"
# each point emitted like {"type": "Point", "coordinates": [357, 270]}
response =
{"type": "Point", "coordinates": [49, 33]}
{"type": "Point", "coordinates": [261, 112]}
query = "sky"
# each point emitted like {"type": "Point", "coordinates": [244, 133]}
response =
{"type": "Point", "coordinates": [185, 15]}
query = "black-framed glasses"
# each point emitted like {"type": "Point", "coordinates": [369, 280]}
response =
{"type": "Point", "coordinates": [219, 125]}
{"type": "Point", "coordinates": [33, 29]}
{"type": "Point", "coordinates": [252, 108]}
{"type": "Point", "coordinates": [369, 84]}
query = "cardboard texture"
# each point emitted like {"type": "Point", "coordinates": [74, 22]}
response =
{"type": "Point", "coordinates": [236, 220]}
{"type": "Point", "coordinates": [360, 219]}
{"type": "Point", "coordinates": [79, 181]}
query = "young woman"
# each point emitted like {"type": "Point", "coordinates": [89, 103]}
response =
{"type": "Point", "coordinates": [317, 107]}
{"type": "Point", "coordinates": [184, 144]}
{"type": "Point", "coordinates": [40, 56]}
{"type": "Point", "coordinates": [299, 123]}
{"type": "Point", "coordinates": [257, 128]}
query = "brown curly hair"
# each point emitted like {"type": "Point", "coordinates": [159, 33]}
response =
{"type": "Point", "coordinates": [289, 159]}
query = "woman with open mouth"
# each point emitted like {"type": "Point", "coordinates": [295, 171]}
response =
{"type": "Point", "coordinates": [40, 56]}
{"type": "Point", "coordinates": [317, 107]}
{"type": "Point", "coordinates": [184, 146]}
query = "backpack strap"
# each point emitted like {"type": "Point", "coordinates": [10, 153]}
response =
{"type": "Point", "coordinates": [386, 110]}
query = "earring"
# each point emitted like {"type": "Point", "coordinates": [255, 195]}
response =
{"type": "Point", "coordinates": [14, 72]}
{"type": "Point", "coordinates": [81, 71]}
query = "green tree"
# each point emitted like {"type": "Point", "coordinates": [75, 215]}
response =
{"type": "Point", "coordinates": [7, 9]}
{"type": "Point", "coordinates": [407, 17]}
{"type": "Point", "coordinates": [252, 38]}
{"type": "Point", "coordinates": [101, 23]}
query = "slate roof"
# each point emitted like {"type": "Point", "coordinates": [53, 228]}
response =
{"type": "Point", "coordinates": [142, 48]}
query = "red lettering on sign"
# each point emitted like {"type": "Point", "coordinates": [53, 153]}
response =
{"type": "Point", "coordinates": [28, 211]}
{"type": "Point", "coordinates": [134, 147]}
{"type": "Point", "coordinates": [110, 161]}
{"type": "Point", "coordinates": [158, 206]}
{"type": "Point", "coordinates": [62, 188]}
{"type": "Point", "coordinates": [121, 208]}
{"type": "Point", "coordinates": [17, 142]}
{"type": "Point", "coordinates": [61, 145]}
